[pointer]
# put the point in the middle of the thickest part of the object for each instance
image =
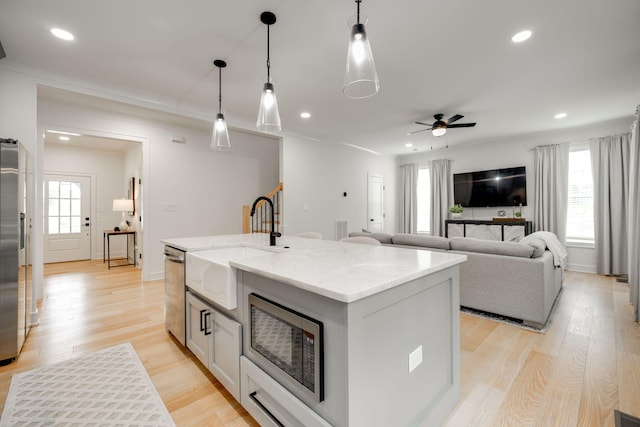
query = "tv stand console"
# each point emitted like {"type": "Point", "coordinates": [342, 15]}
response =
{"type": "Point", "coordinates": [505, 230]}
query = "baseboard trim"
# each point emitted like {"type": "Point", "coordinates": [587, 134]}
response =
{"type": "Point", "coordinates": [158, 275]}
{"type": "Point", "coordinates": [581, 268]}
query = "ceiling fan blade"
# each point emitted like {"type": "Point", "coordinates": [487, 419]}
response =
{"type": "Point", "coordinates": [423, 123]}
{"type": "Point", "coordinates": [454, 118]}
{"type": "Point", "coordinates": [416, 131]}
{"type": "Point", "coordinates": [462, 125]}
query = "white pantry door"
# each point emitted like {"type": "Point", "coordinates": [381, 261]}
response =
{"type": "Point", "coordinates": [67, 227]}
{"type": "Point", "coordinates": [375, 203]}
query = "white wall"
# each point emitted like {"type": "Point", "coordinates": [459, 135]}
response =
{"type": "Point", "coordinates": [515, 151]}
{"type": "Point", "coordinates": [106, 170]}
{"type": "Point", "coordinates": [316, 174]}
{"type": "Point", "coordinates": [188, 189]}
{"type": "Point", "coordinates": [133, 169]}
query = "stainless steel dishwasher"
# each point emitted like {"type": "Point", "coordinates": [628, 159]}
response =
{"type": "Point", "coordinates": [174, 289]}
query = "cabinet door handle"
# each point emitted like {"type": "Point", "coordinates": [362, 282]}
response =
{"type": "Point", "coordinates": [254, 396]}
{"type": "Point", "coordinates": [202, 325]}
{"type": "Point", "coordinates": [207, 314]}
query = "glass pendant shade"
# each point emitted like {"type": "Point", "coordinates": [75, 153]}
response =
{"type": "Point", "coordinates": [360, 77]}
{"type": "Point", "coordinates": [220, 139]}
{"type": "Point", "coordinates": [268, 114]}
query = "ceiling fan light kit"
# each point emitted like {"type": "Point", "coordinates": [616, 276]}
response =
{"type": "Point", "coordinates": [268, 114]}
{"type": "Point", "coordinates": [440, 126]}
{"type": "Point", "coordinates": [220, 138]}
{"type": "Point", "coordinates": [360, 77]}
{"type": "Point", "coordinates": [439, 129]}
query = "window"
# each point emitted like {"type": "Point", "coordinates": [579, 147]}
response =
{"type": "Point", "coordinates": [580, 204]}
{"type": "Point", "coordinates": [63, 210]}
{"type": "Point", "coordinates": [424, 201]}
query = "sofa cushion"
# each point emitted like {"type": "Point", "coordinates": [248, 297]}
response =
{"type": "Point", "coordinates": [381, 237]}
{"type": "Point", "coordinates": [538, 245]}
{"type": "Point", "coordinates": [435, 242]}
{"type": "Point", "coordinates": [469, 244]}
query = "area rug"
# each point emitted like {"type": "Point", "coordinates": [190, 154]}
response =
{"type": "Point", "coordinates": [105, 388]}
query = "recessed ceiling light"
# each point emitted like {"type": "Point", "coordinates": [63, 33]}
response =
{"type": "Point", "coordinates": [305, 115]}
{"type": "Point", "coordinates": [408, 145]}
{"type": "Point", "coordinates": [64, 138]}
{"type": "Point", "coordinates": [560, 115]}
{"type": "Point", "coordinates": [62, 34]}
{"type": "Point", "coordinates": [521, 36]}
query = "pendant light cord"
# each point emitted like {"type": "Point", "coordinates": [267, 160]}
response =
{"type": "Point", "coordinates": [358, 12]}
{"type": "Point", "coordinates": [268, 57]}
{"type": "Point", "coordinates": [219, 90]}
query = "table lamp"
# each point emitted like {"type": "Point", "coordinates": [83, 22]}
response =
{"type": "Point", "coordinates": [123, 205]}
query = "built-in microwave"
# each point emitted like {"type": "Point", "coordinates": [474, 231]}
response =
{"type": "Point", "coordinates": [290, 341]}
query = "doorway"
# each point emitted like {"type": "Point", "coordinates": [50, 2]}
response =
{"type": "Point", "coordinates": [110, 166]}
{"type": "Point", "coordinates": [375, 203]}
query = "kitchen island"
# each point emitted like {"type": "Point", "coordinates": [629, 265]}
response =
{"type": "Point", "coordinates": [389, 322]}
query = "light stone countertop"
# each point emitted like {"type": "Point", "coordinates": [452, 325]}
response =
{"type": "Point", "coordinates": [345, 272]}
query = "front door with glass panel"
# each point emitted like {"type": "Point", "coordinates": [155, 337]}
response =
{"type": "Point", "coordinates": [66, 223]}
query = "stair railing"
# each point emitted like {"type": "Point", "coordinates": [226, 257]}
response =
{"type": "Point", "coordinates": [261, 220]}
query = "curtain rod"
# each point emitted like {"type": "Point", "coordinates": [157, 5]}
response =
{"type": "Point", "coordinates": [583, 140]}
{"type": "Point", "coordinates": [547, 145]}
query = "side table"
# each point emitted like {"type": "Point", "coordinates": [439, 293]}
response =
{"type": "Point", "coordinates": [106, 239]}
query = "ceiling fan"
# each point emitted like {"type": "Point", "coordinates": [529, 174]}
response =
{"type": "Point", "coordinates": [439, 127]}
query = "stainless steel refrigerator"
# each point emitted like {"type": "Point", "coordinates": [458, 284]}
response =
{"type": "Point", "coordinates": [15, 270]}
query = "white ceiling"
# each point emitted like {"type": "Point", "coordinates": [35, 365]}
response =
{"type": "Point", "coordinates": [89, 142]}
{"type": "Point", "coordinates": [450, 57]}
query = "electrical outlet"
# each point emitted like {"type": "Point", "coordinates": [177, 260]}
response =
{"type": "Point", "coordinates": [169, 207]}
{"type": "Point", "coordinates": [415, 358]}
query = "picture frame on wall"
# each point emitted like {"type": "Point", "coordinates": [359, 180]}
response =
{"type": "Point", "coordinates": [132, 194]}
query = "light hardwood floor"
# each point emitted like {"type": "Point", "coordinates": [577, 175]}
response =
{"type": "Point", "coordinates": [586, 364]}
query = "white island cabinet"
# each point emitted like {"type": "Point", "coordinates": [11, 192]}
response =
{"type": "Point", "coordinates": [216, 340]}
{"type": "Point", "coordinates": [390, 335]}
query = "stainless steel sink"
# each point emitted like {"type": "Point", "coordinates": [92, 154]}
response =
{"type": "Point", "coordinates": [209, 273]}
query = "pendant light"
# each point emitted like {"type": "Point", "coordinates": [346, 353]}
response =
{"type": "Point", "coordinates": [268, 115]}
{"type": "Point", "coordinates": [220, 139]}
{"type": "Point", "coordinates": [360, 77]}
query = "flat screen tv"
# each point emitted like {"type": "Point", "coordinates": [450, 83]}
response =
{"type": "Point", "coordinates": [497, 187]}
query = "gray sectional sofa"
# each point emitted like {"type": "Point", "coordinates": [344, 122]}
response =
{"type": "Point", "coordinates": [520, 280]}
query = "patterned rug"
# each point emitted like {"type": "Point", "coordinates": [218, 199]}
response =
{"type": "Point", "coordinates": [106, 388]}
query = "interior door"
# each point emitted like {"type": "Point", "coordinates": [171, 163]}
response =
{"type": "Point", "coordinates": [375, 203]}
{"type": "Point", "coordinates": [67, 225]}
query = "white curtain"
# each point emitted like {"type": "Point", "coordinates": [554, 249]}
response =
{"type": "Point", "coordinates": [550, 174]}
{"type": "Point", "coordinates": [441, 194]}
{"type": "Point", "coordinates": [610, 166]}
{"type": "Point", "coordinates": [634, 215]}
{"type": "Point", "coordinates": [409, 197]}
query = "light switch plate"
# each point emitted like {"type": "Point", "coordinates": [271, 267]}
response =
{"type": "Point", "coordinates": [415, 358]}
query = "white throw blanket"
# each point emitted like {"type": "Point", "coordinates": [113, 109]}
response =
{"type": "Point", "coordinates": [555, 247]}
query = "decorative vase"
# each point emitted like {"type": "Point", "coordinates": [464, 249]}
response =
{"type": "Point", "coordinates": [456, 215]}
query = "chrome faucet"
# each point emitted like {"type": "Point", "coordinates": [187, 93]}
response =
{"type": "Point", "coordinates": [273, 234]}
